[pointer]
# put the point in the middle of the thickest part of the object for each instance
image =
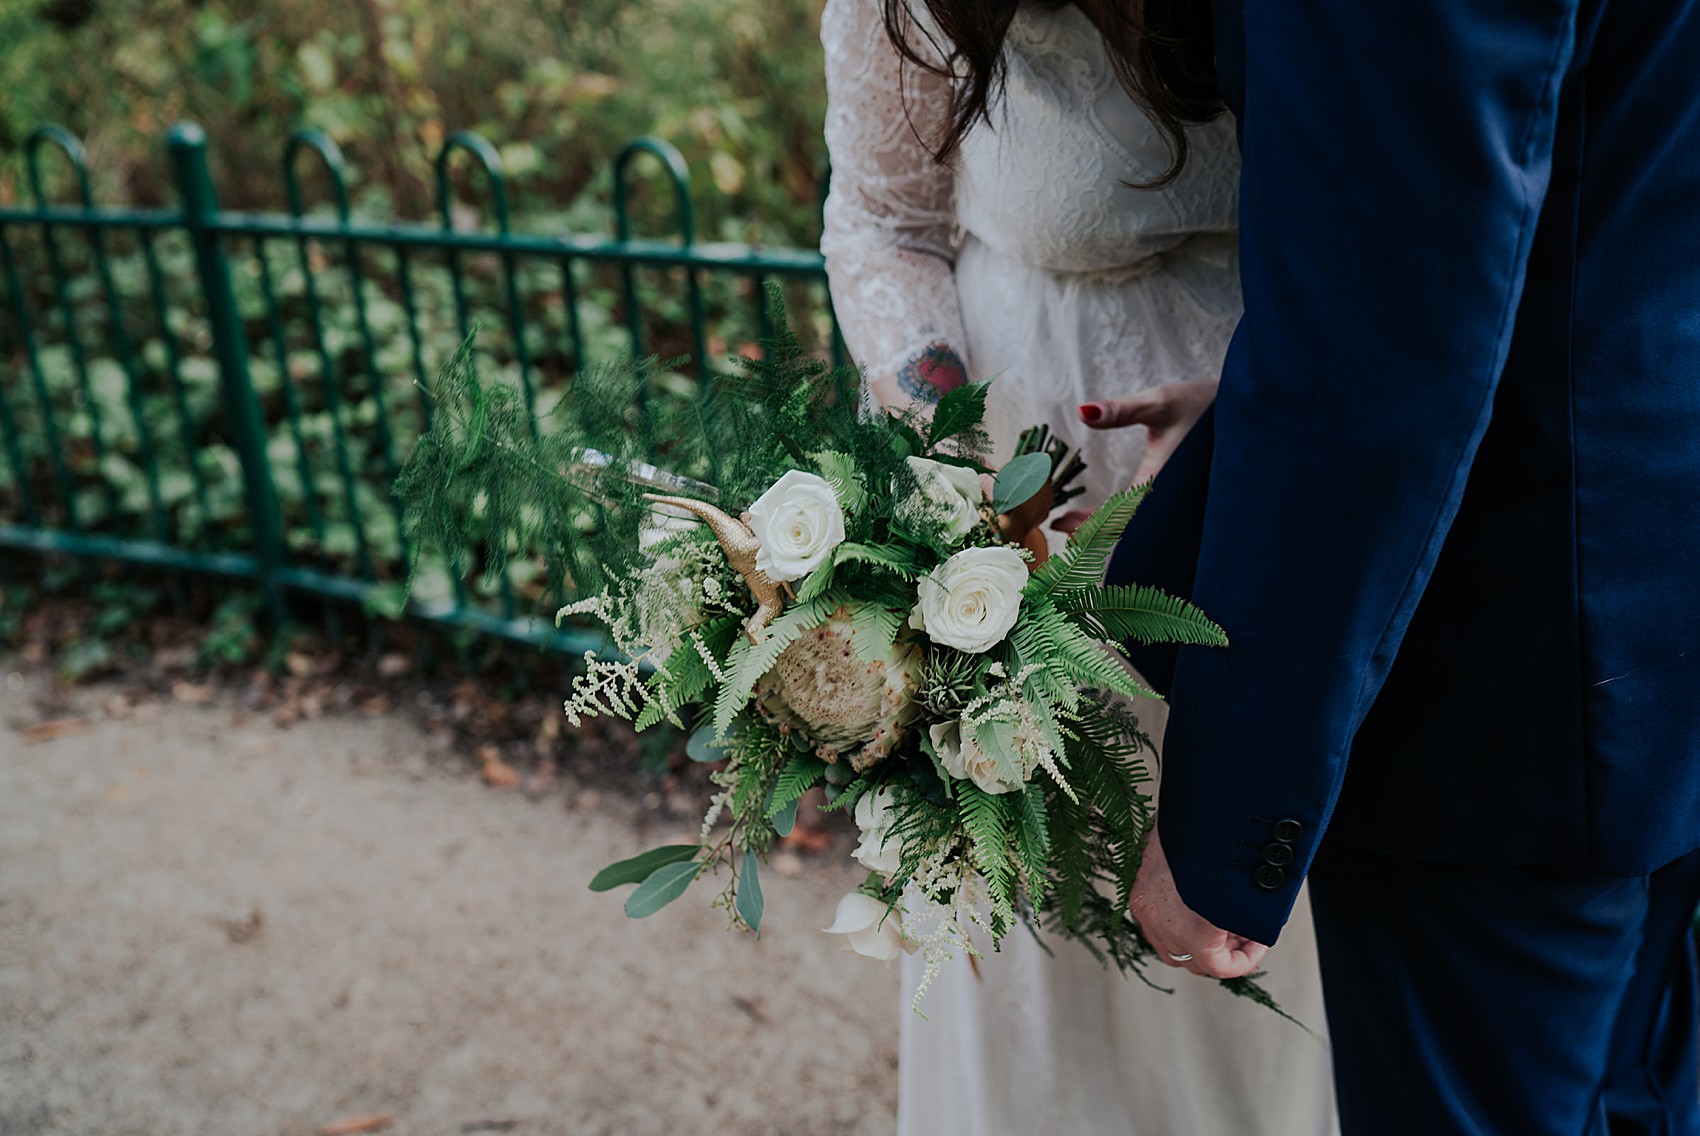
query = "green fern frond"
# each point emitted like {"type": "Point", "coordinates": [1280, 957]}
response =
{"type": "Point", "coordinates": [1083, 561]}
{"type": "Point", "coordinates": [883, 558]}
{"type": "Point", "coordinates": [798, 776]}
{"type": "Point", "coordinates": [985, 818]}
{"type": "Point", "coordinates": [874, 629]}
{"type": "Point", "coordinates": [1032, 839]}
{"type": "Point", "coordinates": [748, 661]}
{"type": "Point", "coordinates": [1121, 612]}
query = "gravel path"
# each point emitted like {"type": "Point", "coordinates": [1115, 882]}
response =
{"type": "Point", "coordinates": [216, 926]}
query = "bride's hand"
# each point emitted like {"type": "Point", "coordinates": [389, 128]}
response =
{"type": "Point", "coordinates": [1167, 413]}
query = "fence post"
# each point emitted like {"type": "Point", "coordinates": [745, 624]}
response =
{"type": "Point", "coordinates": [188, 145]}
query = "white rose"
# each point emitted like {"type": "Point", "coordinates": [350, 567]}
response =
{"type": "Point", "coordinates": [870, 927]}
{"type": "Point", "coordinates": [971, 600]}
{"type": "Point", "coordinates": [879, 850]}
{"type": "Point", "coordinates": [950, 491]}
{"type": "Point", "coordinates": [963, 758]}
{"type": "Point", "coordinates": [798, 522]}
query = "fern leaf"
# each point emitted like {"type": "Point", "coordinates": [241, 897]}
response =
{"type": "Point", "coordinates": [886, 559]}
{"type": "Point", "coordinates": [874, 629]}
{"type": "Point", "coordinates": [1071, 854]}
{"type": "Point", "coordinates": [1122, 612]}
{"type": "Point", "coordinates": [797, 778]}
{"type": "Point", "coordinates": [748, 661]}
{"type": "Point", "coordinates": [1083, 561]}
{"type": "Point", "coordinates": [1032, 838]}
{"type": "Point", "coordinates": [985, 819]}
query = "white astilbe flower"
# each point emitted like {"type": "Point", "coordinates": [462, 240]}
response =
{"type": "Point", "coordinates": [607, 687]}
{"type": "Point", "coordinates": [647, 614]}
{"type": "Point", "coordinates": [1037, 736]}
{"type": "Point", "coordinates": [946, 902]}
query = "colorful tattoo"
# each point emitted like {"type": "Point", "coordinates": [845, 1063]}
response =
{"type": "Point", "coordinates": [929, 375]}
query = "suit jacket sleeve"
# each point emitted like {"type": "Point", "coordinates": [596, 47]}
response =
{"type": "Point", "coordinates": [1396, 157]}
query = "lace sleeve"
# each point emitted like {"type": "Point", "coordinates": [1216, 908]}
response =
{"type": "Point", "coordinates": [889, 218]}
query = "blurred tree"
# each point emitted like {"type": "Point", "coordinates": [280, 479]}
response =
{"type": "Point", "coordinates": [558, 85]}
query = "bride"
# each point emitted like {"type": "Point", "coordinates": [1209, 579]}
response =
{"type": "Point", "coordinates": [1027, 251]}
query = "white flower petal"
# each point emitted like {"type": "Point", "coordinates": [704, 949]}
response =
{"type": "Point", "coordinates": [857, 911]}
{"type": "Point", "coordinates": [797, 522]}
{"type": "Point", "coordinates": [881, 943]}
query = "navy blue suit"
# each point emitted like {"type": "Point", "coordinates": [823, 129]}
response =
{"type": "Point", "coordinates": [1448, 509]}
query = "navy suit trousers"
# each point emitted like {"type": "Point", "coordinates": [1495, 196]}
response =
{"type": "Point", "coordinates": [1485, 1001]}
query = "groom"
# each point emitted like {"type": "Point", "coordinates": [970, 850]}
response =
{"type": "Point", "coordinates": [1448, 508]}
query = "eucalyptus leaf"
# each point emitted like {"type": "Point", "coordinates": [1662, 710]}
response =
{"type": "Point", "coordinates": [663, 886]}
{"type": "Point", "coordinates": [750, 902]}
{"type": "Point", "coordinates": [785, 819]}
{"type": "Point", "coordinates": [640, 868]}
{"type": "Point", "coordinates": [703, 748]}
{"type": "Point", "coordinates": [1018, 481]}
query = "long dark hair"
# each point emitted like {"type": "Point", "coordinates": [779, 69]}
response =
{"type": "Point", "coordinates": [1163, 51]}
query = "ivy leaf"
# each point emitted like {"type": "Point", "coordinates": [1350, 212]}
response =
{"type": "Point", "coordinates": [663, 886]}
{"type": "Point", "coordinates": [640, 868]}
{"type": "Point", "coordinates": [749, 892]}
{"type": "Point", "coordinates": [1018, 481]}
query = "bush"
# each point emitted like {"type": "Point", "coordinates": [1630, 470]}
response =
{"type": "Point", "coordinates": [559, 85]}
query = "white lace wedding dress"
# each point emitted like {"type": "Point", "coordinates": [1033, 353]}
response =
{"type": "Point", "coordinates": [1033, 259]}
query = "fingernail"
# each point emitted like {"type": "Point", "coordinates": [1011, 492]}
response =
{"type": "Point", "coordinates": [1090, 413]}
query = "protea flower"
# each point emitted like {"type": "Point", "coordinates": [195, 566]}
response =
{"type": "Point", "coordinates": [844, 704]}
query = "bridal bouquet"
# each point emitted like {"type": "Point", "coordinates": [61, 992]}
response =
{"type": "Point", "coordinates": [833, 598]}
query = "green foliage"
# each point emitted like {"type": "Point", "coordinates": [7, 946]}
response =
{"type": "Point", "coordinates": [959, 413]}
{"type": "Point", "coordinates": [641, 867]}
{"type": "Point", "coordinates": [797, 778]}
{"type": "Point", "coordinates": [661, 887]}
{"type": "Point", "coordinates": [233, 638]}
{"type": "Point", "coordinates": [1083, 561]}
{"type": "Point", "coordinates": [985, 818]}
{"type": "Point", "coordinates": [737, 83]}
{"type": "Point", "coordinates": [1018, 481]}
{"type": "Point", "coordinates": [1122, 612]}
{"type": "Point", "coordinates": [749, 899]}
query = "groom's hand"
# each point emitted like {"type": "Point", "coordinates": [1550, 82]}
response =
{"type": "Point", "coordinates": [1177, 931]}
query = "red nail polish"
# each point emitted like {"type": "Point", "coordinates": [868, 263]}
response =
{"type": "Point", "coordinates": [1091, 412]}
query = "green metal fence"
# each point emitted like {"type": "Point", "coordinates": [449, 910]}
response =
{"type": "Point", "coordinates": [229, 394]}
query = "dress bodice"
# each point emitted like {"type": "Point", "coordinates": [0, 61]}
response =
{"type": "Point", "coordinates": [1048, 183]}
{"type": "Point", "coordinates": [1053, 179]}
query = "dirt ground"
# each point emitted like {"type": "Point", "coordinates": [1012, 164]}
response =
{"type": "Point", "coordinates": [210, 924]}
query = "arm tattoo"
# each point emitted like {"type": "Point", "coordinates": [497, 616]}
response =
{"type": "Point", "coordinates": [930, 374]}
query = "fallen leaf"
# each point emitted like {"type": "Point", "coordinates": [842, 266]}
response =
{"type": "Point", "coordinates": [497, 773]}
{"type": "Point", "coordinates": [299, 664]}
{"type": "Point", "coordinates": [356, 1124]}
{"type": "Point", "coordinates": [752, 1008]}
{"type": "Point", "coordinates": [193, 694]}
{"type": "Point", "coordinates": [394, 665]}
{"type": "Point", "coordinates": [376, 706]}
{"type": "Point", "coordinates": [246, 930]}
{"type": "Point", "coordinates": [55, 728]}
